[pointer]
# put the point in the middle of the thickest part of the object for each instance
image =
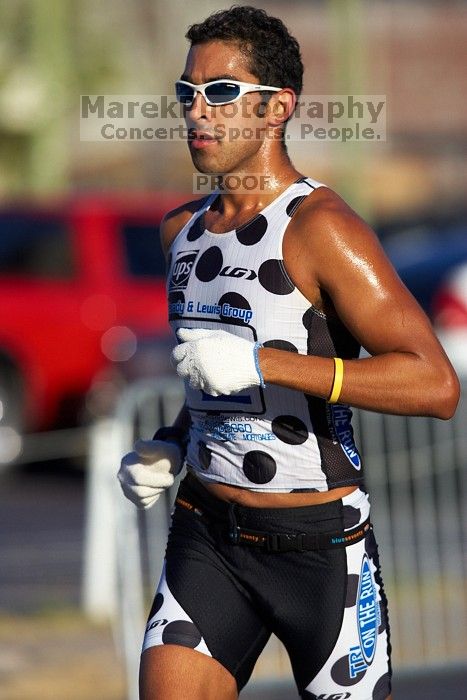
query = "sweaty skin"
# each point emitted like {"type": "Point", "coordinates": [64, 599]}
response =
{"type": "Point", "coordinates": [333, 258]}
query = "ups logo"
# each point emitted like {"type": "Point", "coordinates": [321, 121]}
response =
{"type": "Point", "coordinates": [181, 269]}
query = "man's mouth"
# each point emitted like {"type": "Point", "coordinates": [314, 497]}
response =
{"type": "Point", "coordinates": [201, 139]}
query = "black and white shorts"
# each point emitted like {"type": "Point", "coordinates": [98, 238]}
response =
{"type": "Point", "coordinates": [328, 607]}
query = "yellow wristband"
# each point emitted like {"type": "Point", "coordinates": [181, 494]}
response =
{"type": "Point", "coordinates": [338, 379]}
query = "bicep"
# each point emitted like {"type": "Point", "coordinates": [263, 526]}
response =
{"type": "Point", "coordinates": [367, 293]}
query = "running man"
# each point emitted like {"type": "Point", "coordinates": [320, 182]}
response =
{"type": "Point", "coordinates": [271, 295]}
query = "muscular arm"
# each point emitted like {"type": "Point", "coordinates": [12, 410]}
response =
{"type": "Point", "coordinates": [331, 253]}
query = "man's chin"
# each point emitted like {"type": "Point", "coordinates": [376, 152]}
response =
{"type": "Point", "coordinates": [204, 164]}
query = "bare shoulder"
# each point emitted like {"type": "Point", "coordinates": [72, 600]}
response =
{"type": "Point", "coordinates": [325, 217]}
{"type": "Point", "coordinates": [173, 222]}
{"type": "Point", "coordinates": [329, 234]}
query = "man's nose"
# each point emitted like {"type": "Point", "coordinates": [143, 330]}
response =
{"type": "Point", "coordinates": [199, 107]}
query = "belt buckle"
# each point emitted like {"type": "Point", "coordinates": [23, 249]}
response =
{"type": "Point", "coordinates": [234, 534]}
{"type": "Point", "coordinates": [286, 542]}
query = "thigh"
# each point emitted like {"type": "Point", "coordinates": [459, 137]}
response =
{"type": "Point", "coordinates": [172, 672]}
{"type": "Point", "coordinates": [350, 657]}
{"type": "Point", "coordinates": [200, 605]}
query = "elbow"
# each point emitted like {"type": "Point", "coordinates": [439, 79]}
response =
{"type": "Point", "coordinates": [447, 394]}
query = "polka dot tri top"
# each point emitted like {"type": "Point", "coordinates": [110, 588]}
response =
{"type": "Point", "coordinates": [271, 439]}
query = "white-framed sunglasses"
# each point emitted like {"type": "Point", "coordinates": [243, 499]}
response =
{"type": "Point", "coordinates": [217, 92]}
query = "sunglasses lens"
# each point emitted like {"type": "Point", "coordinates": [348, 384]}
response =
{"type": "Point", "coordinates": [222, 92]}
{"type": "Point", "coordinates": [184, 93]}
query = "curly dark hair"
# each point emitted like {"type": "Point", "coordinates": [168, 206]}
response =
{"type": "Point", "coordinates": [274, 55]}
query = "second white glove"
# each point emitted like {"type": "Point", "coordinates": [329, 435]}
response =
{"type": "Point", "coordinates": [216, 361]}
{"type": "Point", "coordinates": [149, 470]}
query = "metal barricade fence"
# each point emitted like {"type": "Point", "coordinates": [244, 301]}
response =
{"type": "Point", "coordinates": [416, 474]}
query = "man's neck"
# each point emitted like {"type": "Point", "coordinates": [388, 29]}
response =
{"type": "Point", "coordinates": [244, 191]}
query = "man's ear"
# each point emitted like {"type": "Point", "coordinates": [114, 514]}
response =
{"type": "Point", "coordinates": [280, 107]}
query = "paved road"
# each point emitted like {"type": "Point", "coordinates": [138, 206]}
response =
{"type": "Point", "coordinates": [41, 537]}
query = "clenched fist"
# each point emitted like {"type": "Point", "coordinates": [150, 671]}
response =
{"type": "Point", "coordinates": [149, 470]}
{"type": "Point", "coordinates": [216, 361]}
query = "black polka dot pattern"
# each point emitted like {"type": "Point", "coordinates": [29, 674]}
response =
{"type": "Point", "coordinates": [196, 229]}
{"type": "Point", "coordinates": [340, 673]}
{"type": "Point", "coordinates": [352, 516]}
{"type": "Point", "coordinates": [290, 430]}
{"type": "Point", "coordinates": [179, 299]}
{"type": "Point", "coordinates": [293, 204]}
{"type": "Point", "coordinates": [156, 605]}
{"type": "Point", "coordinates": [234, 301]}
{"type": "Point", "coordinates": [279, 344]}
{"type": "Point", "coordinates": [252, 233]}
{"type": "Point", "coordinates": [272, 277]}
{"type": "Point", "coordinates": [382, 687]}
{"type": "Point", "coordinates": [204, 454]}
{"type": "Point", "coordinates": [240, 282]}
{"type": "Point", "coordinates": [352, 590]}
{"type": "Point", "coordinates": [181, 632]}
{"type": "Point", "coordinates": [259, 467]}
{"type": "Point", "coordinates": [209, 265]}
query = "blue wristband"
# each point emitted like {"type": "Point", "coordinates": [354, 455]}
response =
{"type": "Point", "coordinates": [256, 347]}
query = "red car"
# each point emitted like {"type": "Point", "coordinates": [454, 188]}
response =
{"type": "Point", "coordinates": [450, 317]}
{"type": "Point", "coordinates": [81, 289]}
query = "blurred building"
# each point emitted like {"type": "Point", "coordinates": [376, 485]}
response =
{"type": "Point", "coordinates": [51, 51]}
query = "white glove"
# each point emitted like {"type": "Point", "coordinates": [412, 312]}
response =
{"type": "Point", "coordinates": [216, 361]}
{"type": "Point", "coordinates": [149, 470]}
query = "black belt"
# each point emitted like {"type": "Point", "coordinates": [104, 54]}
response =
{"type": "Point", "coordinates": [298, 541]}
{"type": "Point", "coordinates": [289, 542]}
